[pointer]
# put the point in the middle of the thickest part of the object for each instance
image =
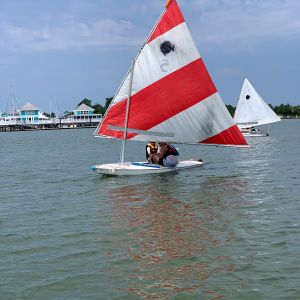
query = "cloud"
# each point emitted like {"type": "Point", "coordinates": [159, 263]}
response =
{"type": "Point", "coordinates": [246, 22]}
{"type": "Point", "coordinates": [70, 34]}
{"type": "Point", "coordinates": [236, 24]}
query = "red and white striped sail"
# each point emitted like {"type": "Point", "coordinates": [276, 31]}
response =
{"type": "Point", "coordinates": [173, 98]}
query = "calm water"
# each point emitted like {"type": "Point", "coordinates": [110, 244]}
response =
{"type": "Point", "coordinates": [230, 230]}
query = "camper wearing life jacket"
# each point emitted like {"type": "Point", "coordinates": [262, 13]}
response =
{"type": "Point", "coordinates": [167, 155]}
{"type": "Point", "coordinates": [151, 149]}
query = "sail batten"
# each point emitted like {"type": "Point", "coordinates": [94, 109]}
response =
{"type": "Point", "coordinates": [144, 132]}
{"type": "Point", "coordinates": [172, 91]}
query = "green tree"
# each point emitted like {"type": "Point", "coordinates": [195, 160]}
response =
{"type": "Point", "coordinates": [231, 109]}
{"type": "Point", "coordinates": [297, 111]}
{"type": "Point", "coordinates": [50, 116]}
{"type": "Point", "coordinates": [284, 110]}
{"type": "Point", "coordinates": [98, 109]}
{"type": "Point", "coordinates": [107, 103]}
{"type": "Point", "coordinates": [86, 102]}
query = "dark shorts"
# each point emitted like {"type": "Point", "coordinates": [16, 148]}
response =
{"type": "Point", "coordinates": [161, 161]}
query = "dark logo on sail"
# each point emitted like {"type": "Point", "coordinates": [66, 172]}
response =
{"type": "Point", "coordinates": [248, 97]}
{"type": "Point", "coordinates": [166, 47]}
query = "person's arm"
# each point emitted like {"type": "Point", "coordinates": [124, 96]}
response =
{"type": "Point", "coordinates": [162, 151]}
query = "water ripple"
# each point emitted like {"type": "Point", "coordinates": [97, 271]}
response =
{"type": "Point", "coordinates": [227, 231]}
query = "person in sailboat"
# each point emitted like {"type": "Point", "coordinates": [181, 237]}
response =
{"type": "Point", "coordinates": [167, 155]}
{"type": "Point", "coordinates": [254, 130]}
{"type": "Point", "coordinates": [151, 148]}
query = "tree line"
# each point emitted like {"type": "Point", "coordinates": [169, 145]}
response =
{"type": "Point", "coordinates": [282, 110]}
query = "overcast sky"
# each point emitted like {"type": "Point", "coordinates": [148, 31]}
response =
{"type": "Point", "coordinates": [73, 49]}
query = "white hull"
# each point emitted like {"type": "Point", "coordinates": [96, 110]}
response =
{"type": "Point", "coordinates": [142, 168]}
{"type": "Point", "coordinates": [247, 134]}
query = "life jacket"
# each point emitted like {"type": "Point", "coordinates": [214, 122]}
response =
{"type": "Point", "coordinates": [174, 149]}
{"type": "Point", "coordinates": [153, 149]}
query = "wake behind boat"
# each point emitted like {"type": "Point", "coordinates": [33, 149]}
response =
{"type": "Point", "coordinates": [252, 111]}
{"type": "Point", "coordinates": [167, 96]}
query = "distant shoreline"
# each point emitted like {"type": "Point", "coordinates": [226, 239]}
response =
{"type": "Point", "coordinates": [290, 118]}
{"type": "Point", "coordinates": [26, 128]}
{"type": "Point", "coordinates": [18, 128]}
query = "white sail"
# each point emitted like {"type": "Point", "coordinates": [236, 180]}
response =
{"type": "Point", "coordinates": [252, 110]}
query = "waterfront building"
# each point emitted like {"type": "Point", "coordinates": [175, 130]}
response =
{"type": "Point", "coordinates": [10, 118]}
{"type": "Point", "coordinates": [29, 116]}
{"type": "Point", "coordinates": [84, 114]}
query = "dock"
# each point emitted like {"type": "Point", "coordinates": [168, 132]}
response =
{"type": "Point", "coordinates": [55, 124]}
{"type": "Point", "coordinates": [29, 117]}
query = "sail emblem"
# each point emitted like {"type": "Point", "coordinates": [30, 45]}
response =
{"type": "Point", "coordinates": [166, 47]}
{"type": "Point", "coordinates": [248, 97]}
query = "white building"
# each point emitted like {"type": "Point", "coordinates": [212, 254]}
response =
{"type": "Point", "coordinates": [30, 115]}
{"type": "Point", "coordinates": [84, 114]}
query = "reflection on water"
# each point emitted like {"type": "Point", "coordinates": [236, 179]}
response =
{"type": "Point", "coordinates": [174, 243]}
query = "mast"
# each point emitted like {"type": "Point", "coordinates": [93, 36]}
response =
{"type": "Point", "coordinates": [127, 113]}
{"type": "Point", "coordinates": [12, 105]}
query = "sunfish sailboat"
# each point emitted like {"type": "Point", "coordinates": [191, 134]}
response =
{"type": "Point", "coordinates": [167, 96]}
{"type": "Point", "coordinates": [253, 111]}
